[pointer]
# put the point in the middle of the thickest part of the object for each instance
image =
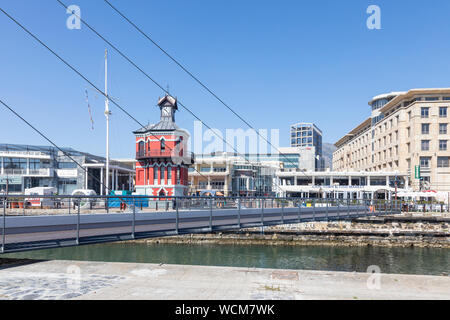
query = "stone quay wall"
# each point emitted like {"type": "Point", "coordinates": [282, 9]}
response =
{"type": "Point", "coordinates": [406, 230]}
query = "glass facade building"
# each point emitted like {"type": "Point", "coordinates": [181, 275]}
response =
{"type": "Point", "coordinates": [308, 135]}
{"type": "Point", "coordinates": [23, 167]}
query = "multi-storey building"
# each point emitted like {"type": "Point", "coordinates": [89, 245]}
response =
{"type": "Point", "coordinates": [308, 135]}
{"type": "Point", "coordinates": [24, 166]}
{"type": "Point", "coordinates": [232, 175]}
{"type": "Point", "coordinates": [406, 131]}
{"type": "Point", "coordinates": [342, 185]}
{"type": "Point", "coordinates": [247, 174]}
{"type": "Point", "coordinates": [162, 156]}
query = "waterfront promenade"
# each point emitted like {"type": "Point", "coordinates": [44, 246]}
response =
{"type": "Point", "coordinates": [105, 280]}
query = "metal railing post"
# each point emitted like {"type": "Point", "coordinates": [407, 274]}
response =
{"type": "Point", "coordinates": [262, 216]}
{"type": "Point", "coordinates": [177, 221]}
{"type": "Point", "coordinates": [4, 225]}
{"type": "Point", "coordinates": [348, 209]}
{"type": "Point", "coordinates": [299, 212]}
{"type": "Point", "coordinates": [328, 218]}
{"type": "Point", "coordinates": [106, 204]}
{"type": "Point", "coordinates": [78, 223]}
{"type": "Point", "coordinates": [69, 206]}
{"type": "Point", "coordinates": [314, 209]}
{"type": "Point", "coordinates": [338, 211]}
{"type": "Point", "coordinates": [210, 214]}
{"type": "Point", "coordinates": [134, 218]}
{"type": "Point", "coordinates": [282, 212]}
{"type": "Point", "coordinates": [348, 206]}
{"type": "Point", "coordinates": [239, 212]}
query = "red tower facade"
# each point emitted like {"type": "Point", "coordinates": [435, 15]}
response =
{"type": "Point", "coordinates": [162, 159]}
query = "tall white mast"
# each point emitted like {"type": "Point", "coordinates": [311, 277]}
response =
{"type": "Point", "coordinates": [107, 113]}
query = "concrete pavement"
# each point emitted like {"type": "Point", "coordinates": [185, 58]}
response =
{"type": "Point", "coordinates": [104, 280]}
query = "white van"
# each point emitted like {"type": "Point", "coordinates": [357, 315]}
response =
{"type": "Point", "coordinates": [40, 191]}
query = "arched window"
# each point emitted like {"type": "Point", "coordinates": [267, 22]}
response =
{"type": "Point", "coordinates": [141, 147]}
{"type": "Point", "coordinates": [163, 144]}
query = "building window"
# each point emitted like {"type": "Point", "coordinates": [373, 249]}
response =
{"type": "Point", "coordinates": [442, 162]}
{"type": "Point", "coordinates": [35, 164]}
{"type": "Point", "coordinates": [424, 112]}
{"type": "Point", "coordinates": [67, 186]}
{"type": "Point", "coordinates": [141, 148]}
{"type": "Point", "coordinates": [163, 170]}
{"type": "Point", "coordinates": [425, 162]}
{"type": "Point", "coordinates": [15, 163]}
{"type": "Point", "coordinates": [442, 145]}
{"type": "Point", "coordinates": [155, 174]}
{"type": "Point", "coordinates": [425, 145]}
{"type": "Point", "coordinates": [67, 165]}
{"type": "Point", "coordinates": [442, 128]}
{"type": "Point", "coordinates": [163, 144]}
{"type": "Point", "coordinates": [169, 173]}
{"type": "Point", "coordinates": [442, 112]}
{"type": "Point", "coordinates": [408, 130]}
{"type": "Point", "coordinates": [425, 128]}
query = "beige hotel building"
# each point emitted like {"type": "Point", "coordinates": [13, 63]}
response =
{"type": "Point", "coordinates": [405, 130]}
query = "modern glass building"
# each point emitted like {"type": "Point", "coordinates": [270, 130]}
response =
{"type": "Point", "coordinates": [24, 166]}
{"type": "Point", "coordinates": [232, 175]}
{"type": "Point", "coordinates": [308, 135]}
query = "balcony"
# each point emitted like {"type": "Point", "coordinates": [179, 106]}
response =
{"type": "Point", "coordinates": [40, 172]}
{"type": "Point", "coordinates": [15, 172]}
{"type": "Point", "coordinates": [31, 172]}
{"type": "Point", "coordinates": [187, 157]}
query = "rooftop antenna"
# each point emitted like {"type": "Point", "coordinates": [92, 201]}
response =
{"type": "Point", "coordinates": [107, 114]}
{"type": "Point", "coordinates": [168, 89]}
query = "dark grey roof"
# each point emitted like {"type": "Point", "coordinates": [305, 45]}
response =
{"type": "Point", "coordinates": [160, 126]}
{"type": "Point", "coordinates": [46, 149]}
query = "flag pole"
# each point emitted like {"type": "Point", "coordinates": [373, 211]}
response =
{"type": "Point", "coordinates": [107, 113]}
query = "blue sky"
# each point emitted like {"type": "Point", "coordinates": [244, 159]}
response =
{"type": "Point", "coordinates": [275, 62]}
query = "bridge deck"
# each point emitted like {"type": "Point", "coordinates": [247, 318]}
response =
{"type": "Point", "coordinates": [50, 231]}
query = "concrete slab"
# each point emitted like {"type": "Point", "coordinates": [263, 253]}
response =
{"type": "Point", "coordinates": [100, 280]}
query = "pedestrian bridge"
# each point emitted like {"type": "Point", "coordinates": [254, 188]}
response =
{"type": "Point", "coordinates": [51, 222]}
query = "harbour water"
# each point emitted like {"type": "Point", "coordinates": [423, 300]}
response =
{"type": "Point", "coordinates": [425, 261]}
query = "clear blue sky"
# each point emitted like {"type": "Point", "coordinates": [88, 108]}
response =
{"type": "Point", "coordinates": [275, 62]}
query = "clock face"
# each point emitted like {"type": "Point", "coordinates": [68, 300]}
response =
{"type": "Point", "coordinates": [166, 111]}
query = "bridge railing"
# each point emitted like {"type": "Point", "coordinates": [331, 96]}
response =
{"type": "Point", "coordinates": [53, 205]}
{"type": "Point", "coordinates": [137, 214]}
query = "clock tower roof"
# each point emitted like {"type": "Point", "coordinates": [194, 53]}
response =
{"type": "Point", "coordinates": [168, 106]}
{"type": "Point", "coordinates": [168, 100]}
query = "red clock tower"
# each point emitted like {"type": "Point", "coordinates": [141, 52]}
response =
{"type": "Point", "coordinates": [162, 159]}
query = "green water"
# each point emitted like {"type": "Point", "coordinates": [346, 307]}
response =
{"type": "Point", "coordinates": [427, 261]}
